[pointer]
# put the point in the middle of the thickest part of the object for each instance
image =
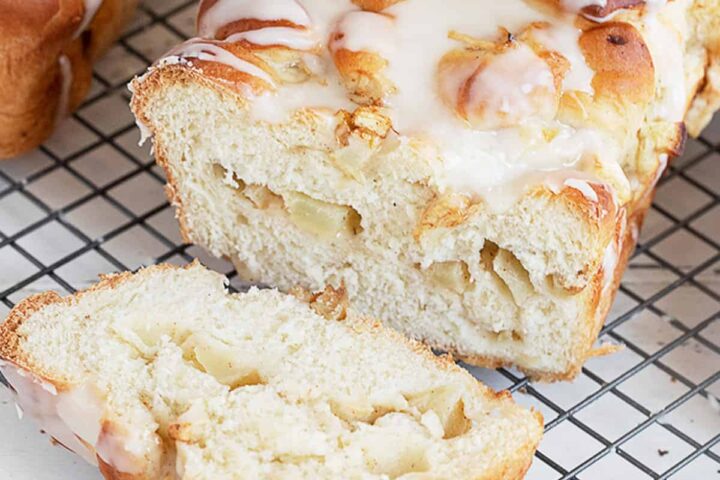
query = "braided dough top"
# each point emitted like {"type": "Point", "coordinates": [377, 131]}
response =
{"type": "Point", "coordinates": [507, 93]}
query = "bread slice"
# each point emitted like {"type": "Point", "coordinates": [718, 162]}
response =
{"type": "Point", "coordinates": [403, 156]}
{"type": "Point", "coordinates": [163, 374]}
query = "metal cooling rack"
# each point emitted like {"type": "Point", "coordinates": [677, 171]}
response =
{"type": "Point", "coordinates": [90, 201]}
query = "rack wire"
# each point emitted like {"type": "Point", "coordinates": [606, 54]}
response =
{"type": "Point", "coordinates": [90, 201]}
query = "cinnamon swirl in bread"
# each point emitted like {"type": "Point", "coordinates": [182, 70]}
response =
{"type": "Point", "coordinates": [47, 48]}
{"type": "Point", "coordinates": [474, 173]}
{"type": "Point", "coordinates": [164, 375]}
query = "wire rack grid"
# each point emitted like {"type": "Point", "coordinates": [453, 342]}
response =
{"type": "Point", "coordinates": [90, 201]}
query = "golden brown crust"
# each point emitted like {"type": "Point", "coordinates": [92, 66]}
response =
{"type": "Point", "coordinates": [9, 339]}
{"type": "Point", "coordinates": [622, 63]}
{"type": "Point", "coordinates": [34, 35]}
{"type": "Point", "coordinates": [623, 83]}
{"type": "Point", "coordinates": [518, 467]}
{"type": "Point", "coordinates": [361, 73]}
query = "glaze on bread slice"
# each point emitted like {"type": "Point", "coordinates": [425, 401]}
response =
{"type": "Point", "coordinates": [475, 173]}
{"type": "Point", "coordinates": [163, 374]}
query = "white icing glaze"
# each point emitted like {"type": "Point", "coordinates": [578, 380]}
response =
{"type": "Point", "coordinates": [196, 48]}
{"type": "Point", "coordinates": [482, 160]}
{"type": "Point", "coordinates": [274, 107]}
{"type": "Point", "coordinates": [577, 5]}
{"type": "Point", "coordinates": [609, 262]}
{"type": "Point", "coordinates": [326, 97]}
{"type": "Point", "coordinates": [66, 80]}
{"type": "Point", "coordinates": [125, 453]}
{"type": "Point", "coordinates": [288, 37]}
{"type": "Point", "coordinates": [145, 132]}
{"type": "Point", "coordinates": [508, 84]}
{"type": "Point", "coordinates": [651, 7]}
{"type": "Point", "coordinates": [475, 160]}
{"type": "Point", "coordinates": [611, 256]}
{"type": "Point", "coordinates": [563, 38]}
{"type": "Point", "coordinates": [91, 8]}
{"type": "Point", "coordinates": [82, 410]}
{"type": "Point", "coordinates": [665, 45]}
{"type": "Point", "coordinates": [228, 11]}
{"type": "Point", "coordinates": [584, 187]}
{"type": "Point", "coordinates": [604, 19]}
{"type": "Point", "coordinates": [40, 400]}
{"type": "Point", "coordinates": [662, 165]}
{"type": "Point", "coordinates": [500, 198]}
{"type": "Point", "coordinates": [422, 40]}
{"type": "Point", "coordinates": [367, 31]}
{"type": "Point", "coordinates": [74, 418]}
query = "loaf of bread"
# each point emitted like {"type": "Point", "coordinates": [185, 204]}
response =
{"type": "Point", "coordinates": [47, 48]}
{"type": "Point", "coordinates": [165, 375]}
{"type": "Point", "coordinates": [473, 173]}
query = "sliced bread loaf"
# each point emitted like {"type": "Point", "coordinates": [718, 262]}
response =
{"type": "Point", "coordinates": [165, 375]}
{"type": "Point", "coordinates": [474, 172]}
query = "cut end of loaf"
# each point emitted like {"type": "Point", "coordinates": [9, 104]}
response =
{"type": "Point", "coordinates": [164, 374]}
{"type": "Point", "coordinates": [464, 281]}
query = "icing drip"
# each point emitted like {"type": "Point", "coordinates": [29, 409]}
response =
{"type": "Point", "coordinates": [42, 402]}
{"type": "Point", "coordinates": [665, 46]}
{"type": "Point", "coordinates": [604, 19]}
{"type": "Point", "coordinates": [613, 250]}
{"type": "Point", "coordinates": [66, 80]}
{"type": "Point", "coordinates": [212, 52]}
{"type": "Point", "coordinates": [224, 12]}
{"type": "Point", "coordinates": [91, 8]}
{"type": "Point", "coordinates": [578, 5]}
{"type": "Point", "coordinates": [145, 132]}
{"type": "Point", "coordinates": [499, 198]}
{"type": "Point", "coordinates": [74, 417]}
{"type": "Point", "coordinates": [583, 187]}
{"type": "Point", "coordinates": [284, 36]}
